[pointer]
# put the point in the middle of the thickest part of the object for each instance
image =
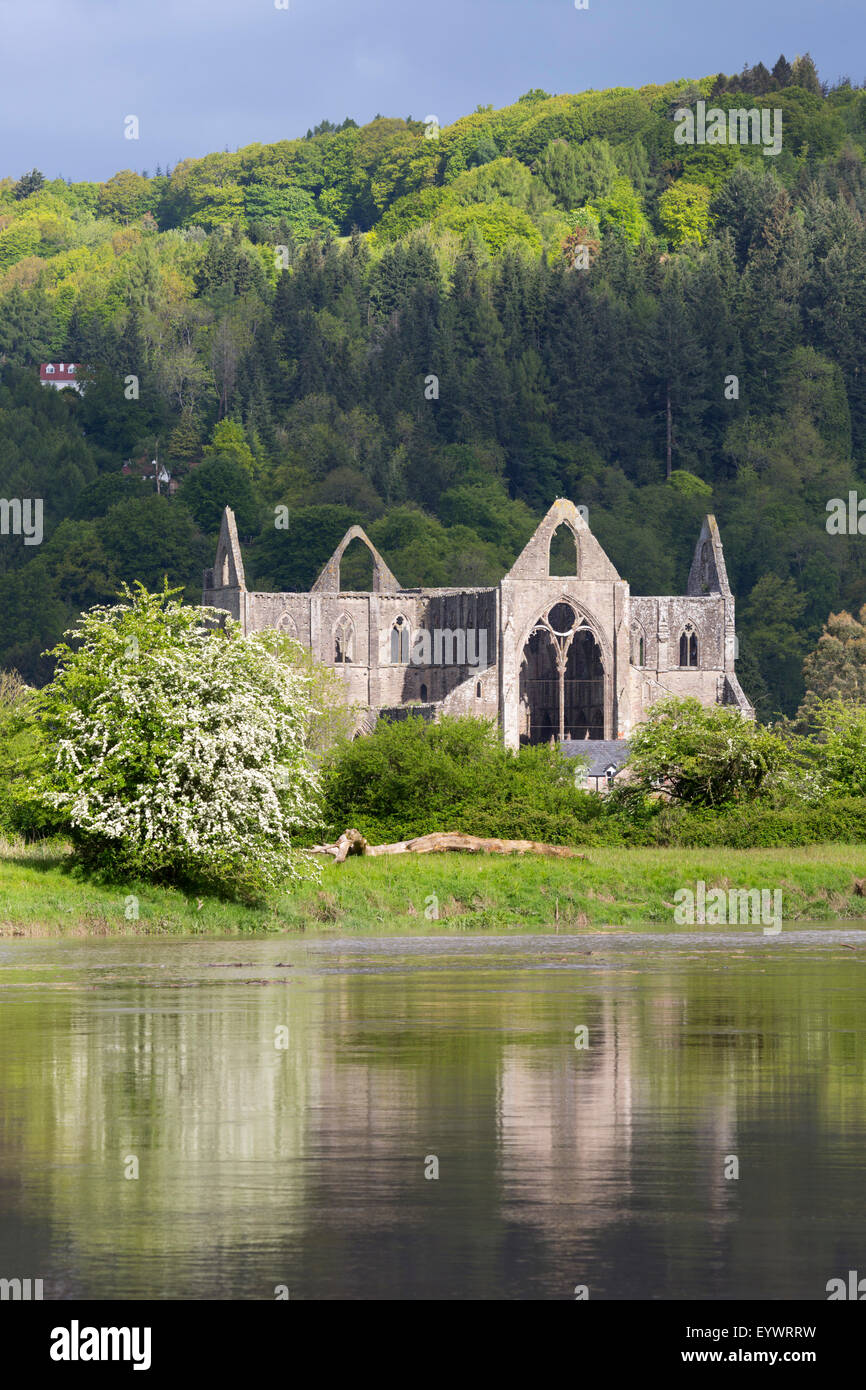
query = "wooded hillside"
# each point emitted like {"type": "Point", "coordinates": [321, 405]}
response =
{"type": "Point", "coordinates": [385, 324]}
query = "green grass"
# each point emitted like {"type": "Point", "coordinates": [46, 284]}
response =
{"type": "Point", "coordinates": [610, 887]}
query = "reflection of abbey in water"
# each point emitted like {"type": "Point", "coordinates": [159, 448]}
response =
{"type": "Point", "coordinates": [572, 655]}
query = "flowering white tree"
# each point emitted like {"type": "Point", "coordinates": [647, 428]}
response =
{"type": "Point", "coordinates": [177, 749]}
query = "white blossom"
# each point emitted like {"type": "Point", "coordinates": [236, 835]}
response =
{"type": "Point", "coordinates": [192, 752]}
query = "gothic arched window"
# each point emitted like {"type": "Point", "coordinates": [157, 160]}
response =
{"type": "Point", "coordinates": [400, 642]}
{"type": "Point", "coordinates": [344, 641]}
{"type": "Point", "coordinates": [689, 646]}
{"type": "Point", "coordinates": [563, 553]}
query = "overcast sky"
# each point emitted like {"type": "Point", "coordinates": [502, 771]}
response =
{"type": "Point", "coordinates": [204, 75]}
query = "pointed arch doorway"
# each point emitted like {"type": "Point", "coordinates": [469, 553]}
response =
{"type": "Point", "coordinates": [562, 679]}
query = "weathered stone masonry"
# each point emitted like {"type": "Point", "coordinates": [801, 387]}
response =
{"type": "Point", "coordinates": [574, 657]}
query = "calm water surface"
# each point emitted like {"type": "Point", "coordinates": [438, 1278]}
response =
{"type": "Point", "coordinates": [304, 1165]}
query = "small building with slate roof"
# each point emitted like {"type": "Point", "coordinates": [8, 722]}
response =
{"type": "Point", "coordinates": [605, 757]}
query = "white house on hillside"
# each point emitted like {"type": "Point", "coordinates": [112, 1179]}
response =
{"type": "Point", "coordinates": [61, 375]}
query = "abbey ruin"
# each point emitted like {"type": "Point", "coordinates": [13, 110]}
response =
{"type": "Point", "coordinates": [568, 657]}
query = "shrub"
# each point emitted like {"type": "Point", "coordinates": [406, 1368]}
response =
{"type": "Point", "coordinates": [413, 777]}
{"type": "Point", "coordinates": [841, 745]}
{"type": "Point", "coordinates": [707, 756]}
{"type": "Point", "coordinates": [761, 826]}
{"type": "Point", "coordinates": [176, 749]}
{"type": "Point", "coordinates": [19, 759]}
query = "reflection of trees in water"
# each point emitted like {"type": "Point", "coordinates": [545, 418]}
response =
{"type": "Point", "coordinates": [320, 1149]}
{"type": "Point", "coordinates": [195, 1089]}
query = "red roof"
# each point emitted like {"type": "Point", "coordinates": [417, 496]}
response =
{"type": "Point", "coordinates": [58, 371]}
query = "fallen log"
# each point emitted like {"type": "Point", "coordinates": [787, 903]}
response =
{"type": "Point", "coordinates": [441, 842]}
{"type": "Point", "coordinates": [350, 842]}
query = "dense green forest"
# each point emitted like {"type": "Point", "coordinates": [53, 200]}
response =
{"type": "Point", "coordinates": [386, 324]}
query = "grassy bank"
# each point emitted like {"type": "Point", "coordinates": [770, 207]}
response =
{"type": "Point", "coordinates": [610, 887]}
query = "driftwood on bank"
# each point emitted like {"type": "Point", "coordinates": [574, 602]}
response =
{"type": "Point", "coordinates": [353, 842]}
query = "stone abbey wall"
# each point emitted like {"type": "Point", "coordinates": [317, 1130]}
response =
{"type": "Point", "coordinates": [573, 656]}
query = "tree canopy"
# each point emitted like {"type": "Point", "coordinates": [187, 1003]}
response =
{"type": "Point", "coordinates": [176, 750]}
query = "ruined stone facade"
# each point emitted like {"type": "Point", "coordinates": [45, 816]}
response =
{"type": "Point", "coordinates": [571, 656]}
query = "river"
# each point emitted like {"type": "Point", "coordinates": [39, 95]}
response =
{"type": "Point", "coordinates": [630, 1114]}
